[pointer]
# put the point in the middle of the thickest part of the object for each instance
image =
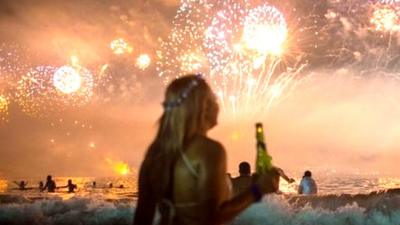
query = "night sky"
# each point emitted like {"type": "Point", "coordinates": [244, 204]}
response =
{"type": "Point", "coordinates": [343, 116]}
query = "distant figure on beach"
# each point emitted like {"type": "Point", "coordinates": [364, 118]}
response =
{"type": "Point", "coordinates": [71, 187]}
{"type": "Point", "coordinates": [244, 180]}
{"type": "Point", "coordinates": [94, 184]}
{"type": "Point", "coordinates": [307, 184]}
{"type": "Point", "coordinates": [50, 185]}
{"type": "Point", "coordinates": [21, 185]}
{"type": "Point", "coordinates": [110, 185]}
{"type": "Point", "coordinates": [41, 185]}
{"type": "Point", "coordinates": [183, 175]}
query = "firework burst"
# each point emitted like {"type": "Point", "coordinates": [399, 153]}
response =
{"type": "Point", "coordinates": [34, 91]}
{"type": "Point", "coordinates": [46, 89]}
{"type": "Point", "coordinates": [119, 167]}
{"type": "Point", "coordinates": [74, 86]}
{"type": "Point", "coordinates": [67, 80]}
{"type": "Point", "coordinates": [386, 19]}
{"type": "Point", "coordinates": [12, 65]}
{"type": "Point", "coordinates": [183, 48]}
{"type": "Point", "coordinates": [120, 46]}
{"type": "Point", "coordinates": [143, 61]}
{"type": "Point", "coordinates": [238, 46]}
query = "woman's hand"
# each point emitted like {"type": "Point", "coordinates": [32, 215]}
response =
{"type": "Point", "coordinates": [268, 182]}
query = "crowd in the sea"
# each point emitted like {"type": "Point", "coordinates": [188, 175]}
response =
{"type": "Point", "coordinates": [51, 187]}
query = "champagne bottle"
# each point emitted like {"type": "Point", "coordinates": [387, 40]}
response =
{"type": "Point", "coordinates": [263, 159]}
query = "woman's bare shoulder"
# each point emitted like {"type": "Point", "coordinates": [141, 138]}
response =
{"type": "Point", "coordinates": [208, 147]}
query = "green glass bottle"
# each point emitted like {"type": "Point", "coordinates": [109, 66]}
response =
{"type": "Point", "coordinates": [263, 159]}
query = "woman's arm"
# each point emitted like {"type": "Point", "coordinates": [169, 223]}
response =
{"type": "Point", "coordinates": [212, 187]}
{"type": "Point", "coordinates": [146, 205]}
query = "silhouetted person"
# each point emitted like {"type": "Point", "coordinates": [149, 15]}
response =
{"type": "Point", "coordinates": [94, 184]}
{"type": "Point", "coordinates": [110, 185]}
{"type": "Point", "coordinates": [307, 184]}
{"type": "Point", "coordinates": [50, 185]}
{"type": "Point", "coordinates": [21, 185]}
{"type": "Point", "coordinates": [244, 180]}
{"type": "Point", "coordinates": [71, 187]}
{"type": "Point", "coordinates": [41, 185]}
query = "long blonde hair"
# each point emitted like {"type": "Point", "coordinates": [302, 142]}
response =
{"type": "Point", "coordinates": [183, 117]}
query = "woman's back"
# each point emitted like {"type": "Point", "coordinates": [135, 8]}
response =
{"type": "Point", "coordinates": [196, 166]}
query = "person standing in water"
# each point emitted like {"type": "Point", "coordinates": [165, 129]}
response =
{"type": "Point", "coordinates": [41, 185]}
{"type": "Point", "coordinates": [184, 171]}
{"type": "Point", "coordinates": [50, 185]}
{"type": "Point", "coordinates": [307, 185]}
{"type": "Point", "coordinates": [244, 180]}
{"type": "Point", "coordinates": [21, 185]}
{"type": "Point", "coordinates": [71, 187]}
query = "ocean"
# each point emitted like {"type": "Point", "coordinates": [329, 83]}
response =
{"type": "Point", "coordinates": [343, 199]}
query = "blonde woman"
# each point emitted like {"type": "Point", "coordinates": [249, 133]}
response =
{"type": "Point", "coordinates": [183, 174]}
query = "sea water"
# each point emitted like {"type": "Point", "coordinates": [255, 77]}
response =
{"type": "Point", "coordinates": [342, 199]}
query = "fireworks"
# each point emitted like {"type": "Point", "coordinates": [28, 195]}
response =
{"type": "Point", "coordinates": [34, 91]}
{"type": "Point", "coordinates": [191, 62]}
{"type": "Point", "coordinates": [244, 35]}
{"type": "Point", "coordinates": [238, 46]}
{"type": "Point", "coordinates": [183, 52]}
{"type": "Point", "coordinates": [47, 89]}
{"type": "Point", "coordinates": [389, 2]}
{"type": "Point", "coordinates": [3, 108]}
{"type": "Point", "coordinates": [12, 65]}
{"type": "Point", "coordinates": [386, 19]}
{"type": "Point", "coordinates": [265, 30]}
{"type": "Point", "coordinates": [119, 167]}
{"type": "Point", "coordinates": [120, 46]}
{"type": "Point", "coordinates": [67, 80]}
{"type": "Point", "coordinates": [74, 86]}
{"type": "Point", "coordinates": [143, 61]}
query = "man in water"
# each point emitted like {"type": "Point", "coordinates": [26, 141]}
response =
{"type": "Point", "coordinates": [21, 185]}
{"type": "Point", "coordinates": [41, 185]}
{"type": "Point", "coordinates": [307, 184]}
{"type": "Point", "coordinates": [71, 187]}
{"type": "Point", "coordinates": [244, 180]}
{"type": "Point", "coordinates": [50, 185]}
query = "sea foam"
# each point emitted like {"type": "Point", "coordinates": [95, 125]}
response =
{"type": "Point", "coordinates": [273, 209]}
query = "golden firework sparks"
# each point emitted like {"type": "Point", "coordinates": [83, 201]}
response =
{"type": "Point", "coordinates": [3, 108]}
{"type": "Point", "coordinates": [119, 167]}
{"type": "Point", "coordinates": [385, 19]}
{"type": "Point", "coordinates": [143, 61]}
{"type": "Point", "coordinates": [120, 46]}
{"type": "Point", "coordinates": [67, 80]}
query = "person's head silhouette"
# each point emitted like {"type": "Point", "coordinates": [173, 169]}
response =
{"type": "Point", "coordinates": [244, 168]}
{"type": "Point", "coordinates": [307, 174]}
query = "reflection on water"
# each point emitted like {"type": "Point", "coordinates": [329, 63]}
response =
{"type": "Point", "coordinates": [387, 183]}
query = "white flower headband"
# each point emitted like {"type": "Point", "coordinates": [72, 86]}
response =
{"type": "Point", "coordinates": [168, 105]}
